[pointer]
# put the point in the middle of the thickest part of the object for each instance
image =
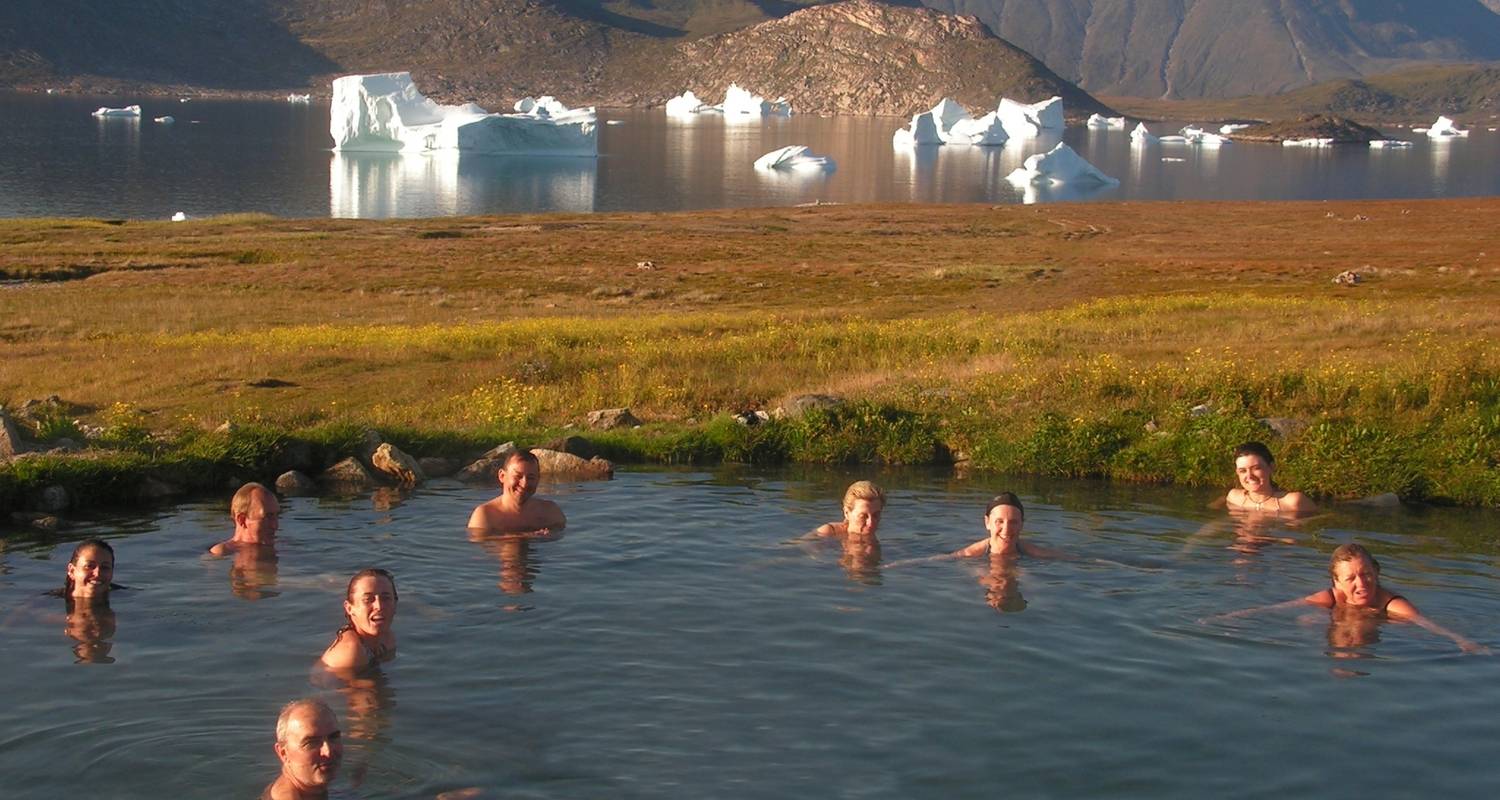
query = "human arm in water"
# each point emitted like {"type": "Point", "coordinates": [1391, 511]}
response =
{"type": "Point", "coordinates": [1401, 609]}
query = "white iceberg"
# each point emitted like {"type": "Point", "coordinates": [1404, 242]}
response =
{"type": "Point", "coordinates": [1101, 122]}
{"type": "Point", "coordinates": [688, 103]}
{"type": "Point", "coordinates": [741, 101]}
{"type": "Point", "coordinates": [544, 107]}
{"type": "Point", "coordinates": [796, 156]}
{"type": "Point", "coordinates": [1444, 128]}
{"type": "Point", "coordinates": [132, 112]}
{"type": "Point", "coordinates": [1232, 127]}
{"type": "Point", "coordinates": [1198, 136]}
{"type": "Point", "coordinates": [1141, 135]}
{"type": "Point", "coordinates": [299, 99]}
{"type": "Point", "coordinates": [1310, 142]}
{"type": "Point", "coordinates": [384, 113]}
{"type": "Point", "coordinates": [1390, 144]}
{"type": "Point", "coordinates": [179, 217]}
{"type": "Point", "coordinates": [1023, 120]}
{"type": "Point", "coordinates": [1059, 166]}
{"type": "Point", "coordinates": [949, 123]}
{"type": "Point", "coordinates": [165, 120]}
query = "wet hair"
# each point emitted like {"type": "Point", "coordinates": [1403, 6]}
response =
{"type": "Point", "coordinates": [863, 490]}
{"type": "Point", "coordinates": [1259, 451]}
{"type": "Point", "coordinates": [241, 502]}
{"type": "Point", "coordinates": [370, 572]}
{"type": "Point", "coordinates": [1351, 552]}
{"type": "Point", "coordinates": [1005, 499]}
{"type": "Point", "coordinates": [524, 456]}
{"type": "Point", "coordinates": [67, 588]}
{"type": "Point", "coordinates": [284, 719]}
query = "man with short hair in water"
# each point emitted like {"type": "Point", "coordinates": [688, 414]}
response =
{"type": "Point", "coordinates": [516, 511]}
{"type": "Point", "coordinates": [256, 516]}
{"type": "Point", "coordinates": [310, 748]}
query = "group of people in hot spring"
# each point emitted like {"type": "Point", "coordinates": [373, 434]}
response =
{"type": "Point", "coordinates": [308, 741]}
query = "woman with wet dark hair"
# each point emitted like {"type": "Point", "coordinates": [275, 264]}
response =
{"type": "Point", "coordinates": [1253, 467]}
{"type": "Point", "coordinates": [90, 569]}
{"type": "Point", "coordinates": [368, 636]}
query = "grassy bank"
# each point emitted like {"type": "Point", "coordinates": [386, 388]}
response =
{"type": "Point", "coordinates": [1134, 341]}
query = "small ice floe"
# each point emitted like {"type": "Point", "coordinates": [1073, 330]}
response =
{"type": "Point", "coordinates": [742, 102]}
{"type": "Point", "coordinates": [299, 99]}
{"type": "Point", "coordinates": [1171, 160]}
{"type": "Point", "coordinates": [1060, 165]}
{"type": "Point", "coordinates": [1445, 128]}
{"type": "Point", "coordinates": [128, 112]}
{"type": "Point", "coordinates": [687, 103]}
{"type": "Point", "coordinates": [1142, 136]}
{"type": "Point", "coordinates": [797, 157]}
{"type": "Point", "coordinates": [1310, 142]}
{"type": "Point", "coordinates": [54, 91]}
{"type": "Point", "coordinates": [1232, 127]}
{"type": "Point", "coordinates": [179, 217]}
{"type": "Point", "coordinates": [614, 122]}
{"type": "Point", "coordinates": [184, 99]}
{"type": "Point", "coordinates": [1390, 144]}
{"type": "Point", "coordinates": [1103, 123]}
{"type": "Point", "coordinates": [168, 120]}
{"type": "Point", "coordinates": [1195, 135]}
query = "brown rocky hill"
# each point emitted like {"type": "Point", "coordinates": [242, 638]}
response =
{"type": "Point", "coordinates": [863, 57]}
{"type": "Point", "coordinates": [857, 57]}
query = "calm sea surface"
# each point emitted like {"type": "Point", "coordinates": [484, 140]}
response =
{"type": "Point", "coordinates": [275, 157]}
{"type": "Point", "coordinates": [677, 643]}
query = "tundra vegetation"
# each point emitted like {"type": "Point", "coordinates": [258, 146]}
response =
{"type": "Point", "coordinates": [1134, 341]}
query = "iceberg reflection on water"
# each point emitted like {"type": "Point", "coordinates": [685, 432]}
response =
{"type": "Point", "coordinates": [379, 185]}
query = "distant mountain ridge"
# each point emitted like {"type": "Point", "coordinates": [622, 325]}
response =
{"type": "Point", "coordinates": [859, 56]}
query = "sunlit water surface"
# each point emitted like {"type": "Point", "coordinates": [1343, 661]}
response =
{"type": "Point", "coordinates": [678, 643]}
{"type": "Point", "coordinates": [275, 157]}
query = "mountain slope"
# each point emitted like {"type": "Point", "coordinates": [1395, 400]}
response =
{"type": "Point", "coordinates": [1226, 48]}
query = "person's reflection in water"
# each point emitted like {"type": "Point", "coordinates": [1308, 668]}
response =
{"type": "Point", "coordinates": [861, 557]}
{"type": "Point", "coordinates": [517, 569]}
{"type": "Point", "coordinates": [91, 626]}
{"type": "Point", "coordinates": [370, 698]}
{"type": "Point", "coordinates": [257, 517]}
{"type": "Point", "coordinates": [1349, 631]}
{"type": "Point", "coordinates": [1002, 584]}
{"type": "Point", "coordinates": [1250, 536]}
{"type": "Point", "coordinates": [253, 573]}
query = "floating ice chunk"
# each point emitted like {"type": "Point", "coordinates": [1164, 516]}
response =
{"type": "Point", "coordinates": [179, 217]}
{"type": "Point", "coordinates": [741, 101]}
{"type": "Point", "coordinates": [1232, 127]}
{"type": "Point", "coordinates": [1198, 136]}
{"type": "Point", "coordinates": [1142, 136]}
{"type": "Point", "coordinates": [987, 131]}
{"type": "Point", "coordinates": [128, 112]}
{"type": "Point", "coordinates": [299, 99]}
{"type": "Point", "coordinates": [54, 91]}
{"type": "Point", "coordinates": [385, 113]}
{"type": "Point", "coordinates": [1171, 160]}
{"type": "Point", "coordinates": [949, 123]}
{"type": "Point", "coordinates": [1101, 122]}
{"type": "Point", "coordinates": [1310, 142]}
{"type": "Point", "coordinates": [796, 156]}
{"type": "Point", "coordinates": [545, 107]}
{"type": "Point", "coordinates": [614, 122]}
{"type": "Point", "coordinates": [1021, 119]}
{"type": "Point", "coordinates": [165, 120]}
{"type": "Point", "coordinates": [1444, 128]}
{"type": "Point", "coordinates": [1390, 144]}
{"type": "Point", "coordinates": [1060, 165]}
{"type": "Point", "coordinates": [687, 103]}
{"type": "Point", "coordinates": [1418, 130]}
{"type": "Point", "coordinates": [184, 99]}
{"type": "Point", "coordinates": [923, 130]}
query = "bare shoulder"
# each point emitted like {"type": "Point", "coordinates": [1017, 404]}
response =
{"type": "Point", "coordinates": [1323, 599]}
{"type": "Point", "coordinates": [1299, 502]}
{"type": "Point", "coordinates": [223, 548]}
{"type": "Point", "coordinates": [974, 550]}
{"type": "Point", "coordinates": [344, 653]}
{"type": "Point", "coordinates": [830, 529]}
{"type": "Point", "coordinates": [1401, 608]}
{"type": "Point", "coordinates": [1235, 498]}
{"type": "Point", "coordinates": [551, 510]}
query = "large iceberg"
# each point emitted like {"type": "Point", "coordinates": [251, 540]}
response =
{"type": "Point", "coordinates": [129, 112]}
{"type": "Point", "coordinates": [1445, 128]}
{"type": "Point", "coordinates": [796, 156]}
{"type": "Point", "coordinates": [1021, 119]}
{"type": "Point", "coordinates": [688, 103]}
{"type": "Point", "coordinates": [949, 123]}
{"type": "Point", "coordinates": [741, 101]}
{"type": "Point", "coordinates": [1059, 166]}
{"type": "Point", "coordinates": [384, 113]}
{"type": "Point", "coordinates": [1142, 136]}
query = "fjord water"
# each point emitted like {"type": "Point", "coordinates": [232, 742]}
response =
{"type": "Point", "coordinates": [275, 157]}
{"type": "Point", "coordinates": [678, 643]}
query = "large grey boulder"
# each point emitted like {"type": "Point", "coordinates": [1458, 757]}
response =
{"type": "Point", "coordinates": [348, 474]}
{"type": "Point", "coordinates": [437, 467]}
{"type": "Point", "coordinates": [294, 484]}
{"type": "Point", "coordinates": [557, 464]}
{"type": "Point", "coordinates": [486, 468]}
{"type": "Point", "coordinates": [390, 461]}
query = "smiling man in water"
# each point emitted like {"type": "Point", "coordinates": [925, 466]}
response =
{"type": "Point", "coordinates": [310, 747]}
{"type": "Point", "coordinates": [516, 511]}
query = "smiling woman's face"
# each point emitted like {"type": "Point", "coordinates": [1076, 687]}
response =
{"type": "Point", "coordinates": [1254, 474]}
{"type": "Point", "coordinates": [372, 605]}
{"type": "Point", "coordinates": [91, 572]}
